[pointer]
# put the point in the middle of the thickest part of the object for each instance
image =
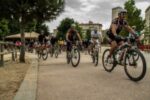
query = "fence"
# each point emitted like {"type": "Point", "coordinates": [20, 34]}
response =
{"type": "Point", "coordinates": [7, 48]}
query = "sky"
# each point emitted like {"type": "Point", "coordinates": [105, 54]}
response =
{"type": "Point", "coordinates": [98, 11]}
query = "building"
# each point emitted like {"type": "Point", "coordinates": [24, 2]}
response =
{"type": "Point", "coordinates": [115, 12]}
{"type": "Point", "coordinates": [147, 16]}
{"type": "Point", "coordinates": [90, 26]}
{"type": "Point", "coordinates": [147, 24]}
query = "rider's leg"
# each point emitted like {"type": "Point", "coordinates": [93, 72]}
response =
{"type": "Point", "coordinates": [113, 47]}
{"type": "Point", "coordinates": [68, 48]}
{"type": "Point", "coordinates": [121, 43]}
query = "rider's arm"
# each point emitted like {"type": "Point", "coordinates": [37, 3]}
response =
{"type": "Point", "coordinates": [79, 36]}
{"type": "Point", "coordinates": [113, 28]}
{"type": "Point", "coordinates": [67, 34]}
{"type": "Point", "coordinates": [130, 30]}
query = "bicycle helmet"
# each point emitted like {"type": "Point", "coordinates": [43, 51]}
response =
{"type": "Point", "coordinates": [73, 25]}
{"type": "Point", "coordinates": [122, 11]}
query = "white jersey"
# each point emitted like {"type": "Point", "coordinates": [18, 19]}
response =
{"type": "Point", "coordinates": [95, 35]}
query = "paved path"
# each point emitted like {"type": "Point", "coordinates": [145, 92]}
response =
{"type": "Point", "coordinates": [60, 81]}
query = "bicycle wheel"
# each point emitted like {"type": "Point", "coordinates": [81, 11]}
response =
{"type": "Point", "coordinates": [44, 54]}
{"type": "Point", "coordinates": [96, 58]}
{"type": "Point", "coordinates": [135, 69]}
{"type": "Point", "coordinates": [108, 62]}
{"type": "Point", "coordinates": [56, 53]}
{"type": "Point", "coordinates": [93, 58]}
{"type": "Point", "coordinates": [136, 56]}
{"type": "Point", "coordinates": [75, 57]}
{"type": "Point", "coordinates": [39, 54]}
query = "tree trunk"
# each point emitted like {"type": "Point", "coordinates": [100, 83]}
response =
{"type": "Point", "coordinates": [22, 50]}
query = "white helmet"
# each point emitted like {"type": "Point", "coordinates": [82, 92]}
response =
{"type": "Point", "coordinates": [122, 11]}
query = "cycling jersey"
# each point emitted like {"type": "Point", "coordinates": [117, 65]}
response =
{"type": "Point", "coordinates": [120, 24]}
{"type": "Point", "coordinates": [95, 35]}
{"type": "Point", "coordinates": [72, 35]}
{"type": "Point", "coordinates": [54, 40]}
{"type": "Point", "coordinates": [41, 38]}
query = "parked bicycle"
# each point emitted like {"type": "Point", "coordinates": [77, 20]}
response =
{"type": "Point", "coordinates": [74, 55]}
{"type": "Point", "coordinates": [126, 55]}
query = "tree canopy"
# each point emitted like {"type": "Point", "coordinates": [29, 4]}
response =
{"type": "Point", "coordinates": [26, 11]}
{"type": "Point", "coordinates": [65, 25]}
{"type": "Point", "coordinates": [134, 15]}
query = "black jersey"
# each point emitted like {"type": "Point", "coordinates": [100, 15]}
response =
{"type": "Point", "coordinates": [120, 24]}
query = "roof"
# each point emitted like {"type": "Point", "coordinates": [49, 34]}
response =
{"type": "Point", "coordinates": [116, 8]}
{"type": "Point", "coordinates": [90, 24]}
{"type": "Point", "coordinates": [27, 35]}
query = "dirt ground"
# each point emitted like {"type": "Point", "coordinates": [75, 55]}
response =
{"type": "Point", "coordinates": [11, 76]}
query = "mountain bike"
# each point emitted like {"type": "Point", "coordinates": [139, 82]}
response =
{"type": "Point", "coordinates": [126, 55]}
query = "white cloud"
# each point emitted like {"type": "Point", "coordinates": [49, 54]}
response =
{"type": "Point", "coordinates": [98, 11]}
{"type": "Point", "coordinates": [143, 6]}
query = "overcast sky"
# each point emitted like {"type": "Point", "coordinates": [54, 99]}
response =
{"type": "Point", "coordinates": [98, 11]}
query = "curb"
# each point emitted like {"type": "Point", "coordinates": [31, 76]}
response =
{"type": "Point", "coordinates": [28, 88]}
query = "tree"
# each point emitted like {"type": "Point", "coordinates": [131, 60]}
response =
{"type": "Point", "coordinates": [65, 25]}
{"type": "Point", "coordinates": [42, 27]}
{"type": "Point", "coordinates": [88, 34]}
{"type": "Point", "coordinates": [133, 15]}
{"type": "Point", "coordinates": [25, 11]}
{"type": "Point", "coordinates": [3, 28]}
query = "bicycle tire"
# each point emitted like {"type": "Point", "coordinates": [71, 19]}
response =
{"type": "Point", "coordinates": [44, 54]}
{"type": "Point", "coordinates": [75, 65]}
{"type": "Point", "coordinates": [96, 58]}
{"type": "Point", "coordinates": [103, 62]}
{"type": "Point", "coordinates": [141, 76]}
{"type": "Point", "coordinates": [39, 54]}
{"type": "Point", "coordinates": [56, 54]}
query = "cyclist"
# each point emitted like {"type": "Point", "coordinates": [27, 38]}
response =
{"type": "Point", "coordinates": [41, 38]}
{"type": "Point", "coordinates": [116, 27]}
{"type": "Point", "coordinates": [54, 40]}
{"type": "Point", "coordinates": [72, 36]}
{"type": "Point", "coordinates": [95, 38]}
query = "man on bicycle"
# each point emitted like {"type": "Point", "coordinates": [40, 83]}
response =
{"type": "Point", "coordinates": [95, 38]}
{"type": "Point", "coordinates": [42, 38]}
{"type": "Point", "coordinates": [53, 40]}
{"type": "Point", "coordinates": [72, 36]}
{"type": "Point", "coordinates": [115, 28]}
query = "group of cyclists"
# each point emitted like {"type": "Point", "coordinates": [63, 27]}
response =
{"type": "Point", "coordinates": [114, 38]}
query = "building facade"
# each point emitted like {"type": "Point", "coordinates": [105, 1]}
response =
{"type": "Point", "coordinates": [147, 16]}
{"type": "Point", "coordinates": [147, 24]}
{"type": "Point", "coordinates": [90, 26]}
{"type": "Point", "coordinates": [115, 12]}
